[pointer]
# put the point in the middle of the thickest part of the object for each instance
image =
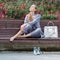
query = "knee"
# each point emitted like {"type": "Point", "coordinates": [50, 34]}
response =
{"type": "Point", "coordinates": [21, 27]}
{"type": "Point", "coordinates": [38, 29]}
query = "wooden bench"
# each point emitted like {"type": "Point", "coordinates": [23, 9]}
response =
{"type": "Point", "coordinates": [9, 28]}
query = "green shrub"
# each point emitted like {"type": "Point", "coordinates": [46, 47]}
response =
{"type": "Point", "coordinates": [49, 16]}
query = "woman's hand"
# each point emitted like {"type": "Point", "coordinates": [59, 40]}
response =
{"type": "Point", "coordinates": [22, 26]}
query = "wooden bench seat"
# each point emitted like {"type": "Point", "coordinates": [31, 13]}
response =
{"type": "Point", "coordinates": [9, 28]}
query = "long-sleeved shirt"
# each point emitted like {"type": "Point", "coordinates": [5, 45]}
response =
{"type": "Point", "coordinates": [35, 23]}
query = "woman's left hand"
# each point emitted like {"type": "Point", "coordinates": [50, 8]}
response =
{"type": "Point", "coordinates": [22, 26]}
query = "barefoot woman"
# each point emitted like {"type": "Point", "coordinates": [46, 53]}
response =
{"type": "Point", "coordinates": [31, 26]}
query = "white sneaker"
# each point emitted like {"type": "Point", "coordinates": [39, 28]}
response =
{"type": "Point", "coordinates": [36, 51]}
{"type": "Point", "coordinates": [11, 39]}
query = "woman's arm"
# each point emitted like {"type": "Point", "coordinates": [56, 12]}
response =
{"type": "Point", "coordinates": [36, 19]}
{"type": "Point", "coordinates": [26, 19]}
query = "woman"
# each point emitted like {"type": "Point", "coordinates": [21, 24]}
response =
{"type": "Point", "coordinates": [31, 26]}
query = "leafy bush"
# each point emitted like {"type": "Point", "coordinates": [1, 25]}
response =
{"type": "Point", "coordinates": [17, 9]}
{"type": "Point", "coordinates": [49, 16]}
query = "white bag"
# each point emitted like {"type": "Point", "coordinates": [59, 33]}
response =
{"type": "Point", "coordinates": [51, 31]}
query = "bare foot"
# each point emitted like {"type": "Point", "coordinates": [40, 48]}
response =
{"type": "Point", "coordinates": [28, 35]}
{"type": "Point", "coordinates": [12, 38]}
{"type": "Point", "coordinates": [23, 36]}
{"type": "Point", "coordinates": [19, 36]}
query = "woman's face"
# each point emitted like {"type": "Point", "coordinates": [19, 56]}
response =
{"type": "Point", "coordinates": [32, 8]}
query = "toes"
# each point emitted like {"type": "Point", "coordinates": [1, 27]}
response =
{"type": "Point", "coordinates": [11, 39]}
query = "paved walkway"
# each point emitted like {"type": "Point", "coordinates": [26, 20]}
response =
{"type": "Point", "coordinates": [29, 56]}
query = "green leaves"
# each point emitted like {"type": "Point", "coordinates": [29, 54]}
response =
{"type": "Point", "coordinates": [18, 8]}
{"type": "Point", "coordinates": [49, 16]}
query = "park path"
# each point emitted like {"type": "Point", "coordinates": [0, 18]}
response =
{"type": "Point", "coordinates": [5, 55]}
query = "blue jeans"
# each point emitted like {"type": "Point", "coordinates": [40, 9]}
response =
{"type": "Point", "coordinates": [34, 33]}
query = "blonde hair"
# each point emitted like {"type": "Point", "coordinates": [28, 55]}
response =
{"type": "Point", "coordinates": [31, 16]}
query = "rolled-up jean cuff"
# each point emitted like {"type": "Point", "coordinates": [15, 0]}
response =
{"type": "Point", "coordinates": [35, 33]}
